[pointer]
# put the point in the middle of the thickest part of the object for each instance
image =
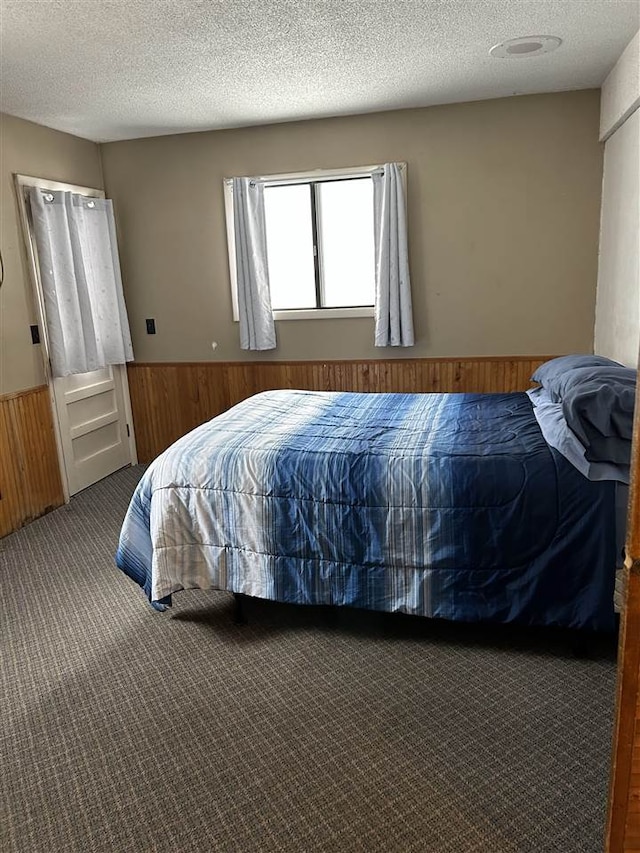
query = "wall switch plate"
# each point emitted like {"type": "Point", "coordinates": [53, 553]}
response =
{"type": "Point", "coordinates": [151, 326]}
{"type": "Point", "coordinates": [35, 334]}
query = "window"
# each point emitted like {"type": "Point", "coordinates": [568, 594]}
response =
{"type": "Point", "coordinates": [320, 243]}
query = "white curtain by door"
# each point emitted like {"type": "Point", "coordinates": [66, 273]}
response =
{"type": "Point", "coordinates": [393, 314]}
{"type": "Point", "coordinates": [257, 329]}
{"type": "Point", "coordinates": [86, 316]}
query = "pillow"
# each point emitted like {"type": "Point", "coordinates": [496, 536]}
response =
{"type": "Point", "coordinates": [557, 434]}
{"type": "Point", "coordinates": [598, 404]}
{"type": "Point", "coordinates": [551, 370]}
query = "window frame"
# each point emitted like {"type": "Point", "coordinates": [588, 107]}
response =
{"type": "Point", "coordinates": [287, 178]}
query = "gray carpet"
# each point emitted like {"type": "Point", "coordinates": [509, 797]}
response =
{"type": "Point", "coordinates": [306, 730]}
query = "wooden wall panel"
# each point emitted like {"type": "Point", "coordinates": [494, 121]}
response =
{"type": "Point", "coordinates": [30, 482]}
{"type": "Point", "coordinates": [168, 400]}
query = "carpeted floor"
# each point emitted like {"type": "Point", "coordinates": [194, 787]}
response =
{"type": "Point", "coordinates": [306, 730]}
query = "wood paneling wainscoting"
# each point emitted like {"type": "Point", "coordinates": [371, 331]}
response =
{"type": "Point", "coordinates": [168, 400]}
{"type": "Point", "coordinates": [30, 482]}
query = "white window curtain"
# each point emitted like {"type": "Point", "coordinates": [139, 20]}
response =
{"type": "Point", "coordinates": [257, 328]}
{"type": "Point", "coordinates": [86, 316]}
{"type": "Point", "coordinates": [393, 314]}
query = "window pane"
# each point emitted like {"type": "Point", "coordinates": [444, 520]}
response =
{"type": "Point", "coordinates": [290, 246]}
{"type": "Point", "coordinates": [345, 220]}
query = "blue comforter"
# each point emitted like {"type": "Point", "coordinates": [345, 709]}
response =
{"type": "Point", "coordinates": [444, 505]}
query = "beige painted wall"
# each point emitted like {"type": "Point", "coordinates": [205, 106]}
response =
{"type": "Point", "coordinates": [504, 200]}
{"type": "Point", "coordinates": [30, 149]}
{"type": "Point", "coordinates": [617, 332]}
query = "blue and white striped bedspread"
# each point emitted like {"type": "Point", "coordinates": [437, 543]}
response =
{"type": "Point", "coordinates": [446, 505]}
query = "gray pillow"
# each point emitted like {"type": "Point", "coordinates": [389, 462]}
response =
{"type": "Point", "coordinates": [598, 405]}
{"type": "Point", "coordinates": [549, 373]}
{"type": "Point", "coordinates": [556, 433]}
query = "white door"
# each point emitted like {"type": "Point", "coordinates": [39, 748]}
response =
{"type": "Point", "coordinates": [93, 421]}
{"type": "Point", "coordinates": [94, 432]}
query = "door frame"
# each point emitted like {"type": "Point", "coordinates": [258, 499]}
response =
{"type": "Point", "coordinates": [626, 731]}
{"type": "Point", "coordinates": [20, 182]}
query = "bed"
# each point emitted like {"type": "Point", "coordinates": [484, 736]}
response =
{"type": "Point", "coordinates": [450, 506]}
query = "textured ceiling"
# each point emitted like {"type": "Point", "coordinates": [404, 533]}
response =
{"type": "Point", "coordinates": [118, 69]}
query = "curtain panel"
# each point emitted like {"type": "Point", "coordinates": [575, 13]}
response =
{"type": "Point", "coordinates": [86, 316]}
{"type": "Point", "coordinates": [393, 311]}
{"type": "Point", "coordinates": [257, 327]}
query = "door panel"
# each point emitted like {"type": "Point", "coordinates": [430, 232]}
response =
{"type": "Point", "coordinates": [93, 425]}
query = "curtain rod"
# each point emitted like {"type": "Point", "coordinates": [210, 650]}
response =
{"type": "Point", "coordinates": [322, 174]}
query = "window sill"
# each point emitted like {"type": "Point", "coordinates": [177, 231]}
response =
{"type": "Point", "coordinates": [323, 313]}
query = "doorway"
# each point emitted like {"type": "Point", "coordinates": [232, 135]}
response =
{"type": "Point", "coordinates": [92, 411]}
